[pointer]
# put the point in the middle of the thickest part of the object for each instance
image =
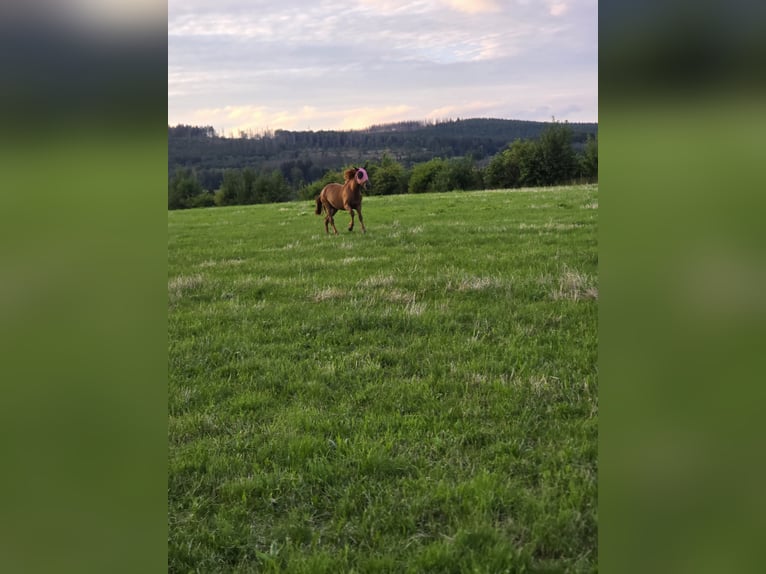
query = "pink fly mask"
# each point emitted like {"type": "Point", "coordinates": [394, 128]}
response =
{"type": "Point", "coordinates": [361, 175]}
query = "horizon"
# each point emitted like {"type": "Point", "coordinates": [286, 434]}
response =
{"type": "Point", "coordinates": [269, 132]}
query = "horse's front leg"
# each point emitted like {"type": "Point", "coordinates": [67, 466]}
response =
{"type": "Point", "coordinates": [361, 221]}
{"type": "Point", "coordinates": [351, 213]}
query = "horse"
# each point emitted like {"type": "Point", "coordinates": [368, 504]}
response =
{"type": "Point", "coordinates": [346, 196]}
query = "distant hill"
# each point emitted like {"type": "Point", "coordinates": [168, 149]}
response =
{"type": "Point", "coordinates": [306, 155]}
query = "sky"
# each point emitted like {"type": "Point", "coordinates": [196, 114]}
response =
{"type": "Point", "coordinates": [258, 65]}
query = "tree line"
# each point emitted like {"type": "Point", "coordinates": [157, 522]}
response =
{"type": "Point", "coordinates": [550, 159]}
{"type": "Point", "coordinates": [304, 156]}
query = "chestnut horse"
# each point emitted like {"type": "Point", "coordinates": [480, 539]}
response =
{"type": "Point", "coordinates": [347, 197]}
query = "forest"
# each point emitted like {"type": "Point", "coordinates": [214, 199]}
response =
{"type": "Point", "coordinates": [207, 169]}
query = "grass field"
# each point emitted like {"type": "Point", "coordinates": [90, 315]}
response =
{"type": "Point", "coordinates": [420, 398]}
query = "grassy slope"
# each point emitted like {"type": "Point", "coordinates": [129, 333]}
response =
{"type": "Point", "coordinates": [419, 398]}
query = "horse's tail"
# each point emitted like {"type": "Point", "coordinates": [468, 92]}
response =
{"type": "Point", "coordinates": [318, 210]}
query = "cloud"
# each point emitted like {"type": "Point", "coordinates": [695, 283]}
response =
{"type": "Point", "coordinates": [234, 117]}
{"type": "Point", "coordinates": [299, 64]}
{"type": "Point", "coordinates": [558, 9]}
{"type": "Point", "coordinates": [474, 6]}
{"type": "Point", "coordinates": [394, 7]}
{"type": "Point", "coordinates": [364, 117]}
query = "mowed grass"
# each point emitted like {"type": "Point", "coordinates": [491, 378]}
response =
{"type": "Point", "coordinates": [422, 398]}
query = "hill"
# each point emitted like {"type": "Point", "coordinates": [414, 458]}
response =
{"type": "Point", "coordinates": [314, 152]}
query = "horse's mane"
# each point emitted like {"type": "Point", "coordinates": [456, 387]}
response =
{"type": "Point", "coordinates": [349, 173]}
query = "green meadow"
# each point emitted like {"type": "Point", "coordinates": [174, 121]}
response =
{"type": "Point", "coordinates": [419, 398]}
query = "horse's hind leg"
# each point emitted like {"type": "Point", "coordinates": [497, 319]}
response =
{"type": "Point", "coordinates": [326, 218]}
{"type": "Point", "coordinates": [331, 219]}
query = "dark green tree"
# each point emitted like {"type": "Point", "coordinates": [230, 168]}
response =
{"type": "Point", "coordinates": [425, 177]}
{"type": "Point", "coordinates": [204, 199]}
{"type": "Point", "coordinates": [558, 163]}
{"type": "Point", "coordinates": [276, 187]}
{"type": "Point", "coordinates": [463, 174]}
{"type": "Point", "coordinates": [527, 155]}
{"type": "Point", "coordinates": [518, 165]}
{"type": "Point", "coordinates": [232, 188]}
{"type": "Point", "coordinates": [589, 159]}
{"type": "Point", "coordinates": [503, 170]}
{"type": "Point", "coordinates": [182, 188]}
{"type": "Point", "coordinates": [387, 177]}
{"type": "Point", "coordinates": [247, 192]}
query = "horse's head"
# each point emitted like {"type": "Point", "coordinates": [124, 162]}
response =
{"type": "Point", "coordinates": [357, 175]}
{"type": "Point", "coordinates": [360, 175]}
